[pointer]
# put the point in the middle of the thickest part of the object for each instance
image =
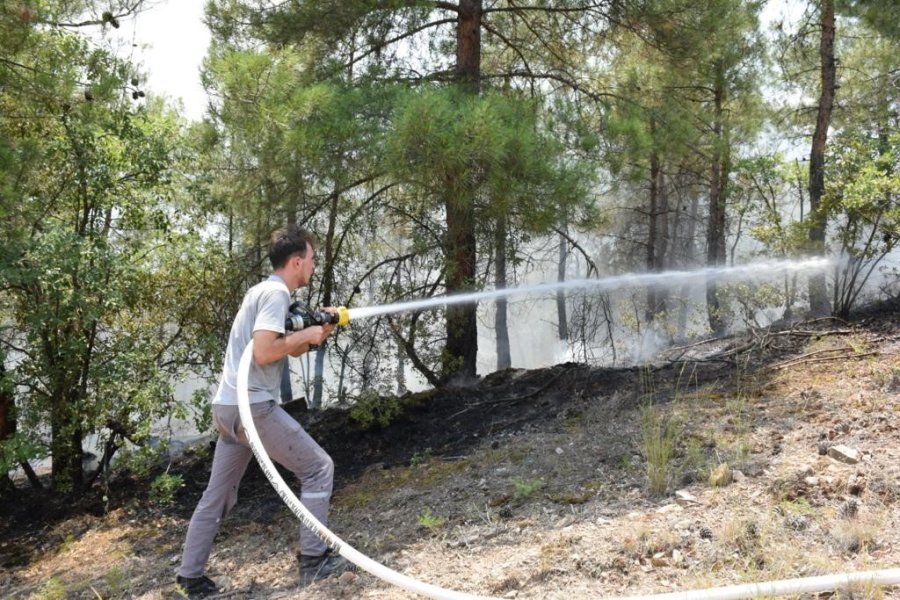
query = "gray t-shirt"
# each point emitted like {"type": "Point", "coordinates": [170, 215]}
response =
{"type": "Point", "coordinates": [265, 308]}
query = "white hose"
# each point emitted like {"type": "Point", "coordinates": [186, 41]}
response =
{"type": "Point", "coordinates": [733, 592]}
{"type": "Point", "coordinates": [336, 543]}
{"type": "Point", "coordinates": [805, 585]}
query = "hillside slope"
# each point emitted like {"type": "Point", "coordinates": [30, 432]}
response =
{"type": "Point", "coordinates": [534, 484]}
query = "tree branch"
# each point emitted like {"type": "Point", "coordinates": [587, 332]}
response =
{"type": "Point", "coordinates": [545, 9]}
{"type": "Point", "coordinates": [107, 17]}
{"type": "Point", "coordinates": [583, 252]}
{"type": "Point", "coordinates": [407, 34]}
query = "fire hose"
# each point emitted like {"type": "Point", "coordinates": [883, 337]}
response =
{"type": "Point", "coordinates": [337, 544]}
{"type": "Point", "coordinates": [734, 592]}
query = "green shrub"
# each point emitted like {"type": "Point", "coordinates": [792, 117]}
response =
{"type": "Point", "coordinates": [420, 458]}
{"type": "Point", "coordinates": [428, 520]}
{"type": "Point", "coordinates": [371, 409]}
{"type": "Point", "coordinates": [164, 488]}
{"type": "Point", "coordinates": [524, 489]}
{"type": "Point", "coordinates": [53, 589]}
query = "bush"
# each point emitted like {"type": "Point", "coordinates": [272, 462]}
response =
{"type": "Point", "coordinates": [525, 489]}
{"type": "Point", "coordinates": [371, 409]}
{"type": "Point", "coordinates": [428, 520]}
{"type": "Point", "coordinates": [164, 488]}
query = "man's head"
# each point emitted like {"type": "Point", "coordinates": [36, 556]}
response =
{"type": "Point", "coordinates": [291, 254]}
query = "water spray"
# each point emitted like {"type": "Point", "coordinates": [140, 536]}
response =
{"type": "Point", "coordinates": [301, 317]}
{"type": "Point", "coordinates": [763, 269]}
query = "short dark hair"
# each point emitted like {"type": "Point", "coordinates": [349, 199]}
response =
{"type": "Point", "coordinates": [288, 241]}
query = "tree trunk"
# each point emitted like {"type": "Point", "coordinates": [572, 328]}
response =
{"type": "Point", "coordinates": [504, 360]}
{"type": "Point", "coordinates": [653, 235]}
{"type": "Point", "coordinates": [690, 254]}
{"type": "Point", "coordinates": [65, 448]}
{"type": "Point", "coordinates": [7, 424]}
{"type": "Point", "coordinates": [468, 46]}
{"type": "Point", "coordinates": [7, 406]}
{"type": "Point", "coordinates": [327, 293]}
{"type": "Point", "coordinates": [462, 327]}
{"type": "Point", "coordinates": [818, 295]}
{"type": "Point", "coordinates": [562, 322]}
{"type": "Point", "coordinates": [401, 372]}
{"type": "Point", "coordinates": [715, 232]}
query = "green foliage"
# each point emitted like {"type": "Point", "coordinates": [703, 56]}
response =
{"type": "Point", "coordinates": [864, 198]}
{"type": "Point", "coordinates": [429, 520]}
{"type": "Point", "coordinates": [420, 458]}
{"type": "Point", "coordinates": [452, 143]}
{"type": "Point", "coordinates": [164, 488]}
{"type": "Point", "coordinates": [881, 15]}
{"type": "Point", "coordinates": [53, 589]}
{"type": "Point", "coordinates": [19, 447]}
{"type": "Point", "coordinates": [106, 281]}
{"type": "Point", "coordinates": [526, 488]}
{"type": "Point", "coordinates": [141, 460]}
{"type": "Point", "coordinates": [371, 409]}
{"type": "Point", "coordinates": [799, 506]}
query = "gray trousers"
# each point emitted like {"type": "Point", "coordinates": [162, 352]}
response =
{"type": "Point", "coordinates": [287, 443]}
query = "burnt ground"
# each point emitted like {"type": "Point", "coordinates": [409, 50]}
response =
{"type": "Point", "coordinates": [533, 484]}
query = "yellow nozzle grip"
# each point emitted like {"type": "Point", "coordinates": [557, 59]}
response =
{"type": "Point", "coordinates": [343, 315]}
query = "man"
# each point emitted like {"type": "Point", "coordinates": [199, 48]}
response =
{"type": "Point", "coordinates": [261, 318]}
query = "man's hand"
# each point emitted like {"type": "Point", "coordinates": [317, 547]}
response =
{"type": "Point", "coordinates": [319, 333]}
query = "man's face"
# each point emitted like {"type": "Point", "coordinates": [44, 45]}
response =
{"type": "Point", "coordinates": [305, 266]}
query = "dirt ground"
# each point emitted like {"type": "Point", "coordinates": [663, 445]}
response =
{"type": "Point", "coordinates": [534, 484]}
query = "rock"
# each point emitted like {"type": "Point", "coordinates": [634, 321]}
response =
{"type": "Point", "coordinates": [348, 577]}
{"type": "Point", "coordinates": [659, 560]}
{"type": "Point", "coordinates": [721, 476]}
{"type": "Point", "coordinates": [844, 454]}
{"type": "Point", "coordinates": [685, 498]}
{"type": "Point", "coordinates": [738, 476]}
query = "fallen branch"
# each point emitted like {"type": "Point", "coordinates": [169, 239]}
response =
{"type": "Point", "coordinates": [808, 354]}
{"type": "Point", "coordinates": [796, 362]}
{"type": "Point", "coordinates": [814, 333]}
{"type": "Point", "coordinates": [695, 344]}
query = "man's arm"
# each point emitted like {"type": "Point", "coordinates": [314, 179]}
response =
{"type": "Point", "coordinates": [271, 346]}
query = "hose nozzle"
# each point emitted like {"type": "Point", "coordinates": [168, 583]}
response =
{"type": "Point", "coordinates": [301, 317]}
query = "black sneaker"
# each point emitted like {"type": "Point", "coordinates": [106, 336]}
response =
{"type": "Point", "coordinates": [316, 568]}
{"type": "Point", "coordinates": [196, 587]}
